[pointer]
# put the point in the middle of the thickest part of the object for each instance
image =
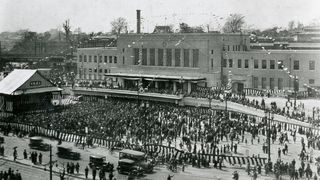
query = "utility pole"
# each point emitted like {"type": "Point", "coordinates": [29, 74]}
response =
{"type": "Point", "coordinates": [50, 163]}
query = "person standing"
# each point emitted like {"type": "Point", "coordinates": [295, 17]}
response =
{"type": "Point", "coordinates": [15, 154]}
{"type": "Point", "coordinates": [94, 173]}
{"type": "Point", "coordinates": [40, 158]}
{"type": "Point", "coordinates": [86, 172]}
{"type": "Point", "coordinates": [25, 154]}
{"type": "Point", "coordinates": [235, 175]}
{"type": "Point", "coordinates": [77, 167]}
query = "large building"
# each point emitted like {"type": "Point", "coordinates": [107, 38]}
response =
{"type": "Point", "coordinates": [183, 61]}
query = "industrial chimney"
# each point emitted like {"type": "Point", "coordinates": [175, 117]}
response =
{"type": "Point", "coordinates": [138, 21]}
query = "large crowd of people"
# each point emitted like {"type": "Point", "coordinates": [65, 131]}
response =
{"type": "Point", "coordinates": [191, 129]}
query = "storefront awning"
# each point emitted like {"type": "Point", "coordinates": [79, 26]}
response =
{"type": "Point", "coordinates": [149, 79]}
{"type": "Point", "coordinates": [156, 77]}
{"type": "Point", "coordinates": [38, 90]}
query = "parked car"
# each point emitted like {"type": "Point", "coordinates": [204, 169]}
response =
{"type": "Point", "coordinates": [128, 166]}
{"type": "Point", "coordinates": [139, 158]}
{"type": "Point", "coordinates": [67, 153]}
{"type": "Point", "coordinates": [99, 162]}
{"type": "Point", "coordinates": [36, 142]}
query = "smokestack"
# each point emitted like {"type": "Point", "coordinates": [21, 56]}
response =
{"type": "Point", "coordinates": [138, 21]}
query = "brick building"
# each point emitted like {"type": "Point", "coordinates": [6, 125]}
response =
{"type": "Point", "coordinates": [182, 61]}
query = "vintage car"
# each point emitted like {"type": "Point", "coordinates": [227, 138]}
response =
{"type": "Point", "coordinates": [36, 142]}
{"type": "Point", "coordinates": [128, 166]}
{"type": "Point", "coordinates": [139, 158]}
{"type": "Point", "coordinates": [99, 162]}
{"type": "Point", "coordinates": [67, 153]}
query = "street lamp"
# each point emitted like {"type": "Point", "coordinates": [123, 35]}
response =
{"type": "Point", "coordinates": [269, 115]}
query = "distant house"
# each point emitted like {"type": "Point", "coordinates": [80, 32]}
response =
{"type": "Point", "coordinates": [162, 29]}
{"type": "Point", "coordinates": [308, 34]}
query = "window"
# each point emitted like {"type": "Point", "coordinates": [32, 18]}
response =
{"type": "Point", "coordinates": [110, 59]}
{"type": "Point", "coordinates": [115, 59]}
{"type": "Point", "coordinates": [272, 64]}
{"type": "Point", "coordinates": [295, 65]}
{"type": "Point", "coordinates": [195, 54]}
{"type": "Point", "coordinates": [100, 70]}
{"type": "Point", "coordinates": [246, 63]}
{"type": "Point", "coordinates": [224, 63]}
{"type": "Point", "coordinates": [152, 57]}
{"type": "Point", "coordinates": [228, 48]}
{"type": "Point", "coordinates": [177, 57]}
{"type": "Point", "coordinates": [169, 57]}
{"type": "Point", "coordinates": [230, 63]}
{"type": "Point", "coordinates": [105, 59]}
{"type": "Point", "coordinates": [95, 58]}
{"type": "Point", "coordinates": [144, 57]}
{"type": "Point", "coordinates": [211, 63]}
{"type": "Point", "coordinates": [280, 64]}
{"type": "Point", "coordinates": [160, 57]}
{"type": "Point", "coordinates": [80, 58]}
{"type": "Point", "coordinates": [212, 51]}
{"type": "Point", "coordinates": [85, 58]}
{"type": "Point", "coordinates": [239, 63]}
{"type": "Point", "coordinates": [280, 83]}
{"type": "Point", "coordinates": [90, 70]}
{"type": "Point", "coordinates": [311, 81]}
{"type": "Point", "coordinates": [106, 71]}
{"type": "Point", "coordinates": [264, 64]}
{"type": "Point", "coordinates": [312, 65]}
{"type": "Point", "coordinates": [90, 58]}
{"type": "Point", "coordinates": [123, 50]}
{"type": "Point", "coordinates": [95, 70]}
{"type": "Point", "coordinates": [255, 82]}
{"type": "Point", "coordinates": [271, 83]}
{"type": "Point", "coordinates": [135, 56]}
{"type": "Point", "coordinates": [100, 59]}
{"type": "Point", "coordinates": [186, 57]}
{"type": "Point", "coordinates": [263, 82]}
{"type": "Point", "coordinates": [256, 64]}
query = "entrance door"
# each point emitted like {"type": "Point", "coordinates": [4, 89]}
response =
{"type": "Point", "coordinates": [240, 87]}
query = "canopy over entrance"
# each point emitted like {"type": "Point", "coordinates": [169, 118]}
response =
{"type": "Point", "coordinates": [155, 77]}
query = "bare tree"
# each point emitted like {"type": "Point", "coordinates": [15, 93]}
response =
{"type": "Point", "coordinates": [291, 25]}
{"type": "Point", "coordinates": [234, 23]}
{"type": "Point", "coordinates": [119, 26]}
{"type": "Point", "coordinates": [67, 27]}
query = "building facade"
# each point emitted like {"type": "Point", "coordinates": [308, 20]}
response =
{"type": "Point", "coordinates": [183, 61]}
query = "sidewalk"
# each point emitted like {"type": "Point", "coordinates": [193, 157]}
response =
{"type": "Point", "coordinates": [56, 170]}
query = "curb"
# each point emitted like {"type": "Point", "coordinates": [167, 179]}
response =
{"type": "Point", "coordinates": [34, 166]}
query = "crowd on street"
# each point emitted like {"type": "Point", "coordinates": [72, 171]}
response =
{"type": "Point", "coordinates": [191, 129]}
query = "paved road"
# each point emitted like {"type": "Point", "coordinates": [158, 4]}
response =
{"type": "Point", "coordinates": [27, 172]}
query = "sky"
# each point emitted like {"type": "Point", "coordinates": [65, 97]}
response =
{"type": "Point", "coordinates": [96, 15]}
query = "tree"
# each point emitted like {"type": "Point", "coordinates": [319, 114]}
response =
{"type": "Point", "coordinates": [291, 25]}
{"type": "Point", "coordinates": [119, 25]}
{"type": "Point", "coordinates": [234, 23]}
{"type": "Point", "coordinates": [67, 27]}
{"type": "Point", "coordinates": [185, 28]}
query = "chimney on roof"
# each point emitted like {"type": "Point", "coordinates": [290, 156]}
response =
{"type": "Point", "coordinates": [138, 21]}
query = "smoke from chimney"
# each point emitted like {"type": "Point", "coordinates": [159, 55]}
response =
{"type": "Point", "coordinates": [138, 21]}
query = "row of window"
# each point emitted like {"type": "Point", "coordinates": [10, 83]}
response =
{"type": "Point", "coordinates": [166, 57]}
{"type": "Point", "coordinates": [272, 64]}
{"type": "Point", "coordinates": [264, 83]}
{"type": "Point", "coordinates": [106, 59]}
{"type": "Point", "coordinates": [235, 48]}
{"type": "Point", "coordinates": [272, 83]}
{"type": "Point", "coordinates": [94, 70]}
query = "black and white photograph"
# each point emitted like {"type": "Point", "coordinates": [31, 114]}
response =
{"type": "Point", "coordinates": [159, 90]}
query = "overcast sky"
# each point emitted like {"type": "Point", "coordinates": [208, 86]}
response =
{"type": "Point", "coordinates": [96, 15]}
